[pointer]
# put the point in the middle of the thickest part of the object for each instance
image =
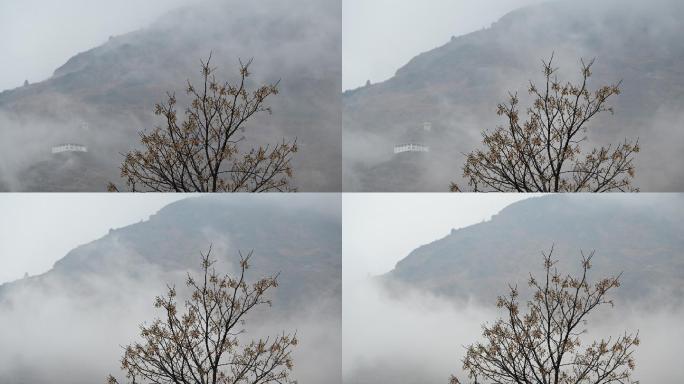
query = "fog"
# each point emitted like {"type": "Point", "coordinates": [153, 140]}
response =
{"type": "Point", "coordinates": [81, 219]}
{"type": "Point", "coordinates": [68, 325]}
{"type": "Point", "coordinates": [79, 340]}
{"type": "Point", "coordinates": [456, 84]}
{"type": "Point", "coordinates": [103, 94]}
{"type": "Point", "coordinates": [395, 331]}
{"type": "Point", "coordinates": [36, 40]}
{"type": "Point", "coordinates": [382, 35]}
{"type": "Point", "coordinates": [410, 336]}
{"type": "Point", "coordinates": [381, 229]}
{"type": "Point", "coordinates": [52, 334]}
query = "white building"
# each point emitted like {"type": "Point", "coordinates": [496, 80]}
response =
{"type": "Point", "coordinates": [69, 148]}
{"type": "Point", "coordinates": [411, 147]}
{"type": "Point", "coordinates": [414, 140]}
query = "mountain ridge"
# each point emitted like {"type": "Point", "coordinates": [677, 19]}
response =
{"type": "Point", "coordinates": [457, 86]}
{"type": "Point", "coordinates": [111, 89]}
{"type": "Point", "coordinates": [305, 252]}
{"type": "Point", "coordinates": [641, 238]}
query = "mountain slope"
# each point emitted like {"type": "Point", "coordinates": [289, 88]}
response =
{"type": "Point", "coordinates": [458, 85]}
{"type": "Point", "coordinates": [74, 318]}
{"type": "Point", "coordinates": [111, 90]}
{"type": "Point", "coordinates": [302, 244]}
{"type": "Point", "coordinates": [642, 236]}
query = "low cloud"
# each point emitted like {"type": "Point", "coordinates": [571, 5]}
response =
{"type": "Point", "coordinates": [53, 330]}
{"type": "Point", "coordinates": [407, 336]}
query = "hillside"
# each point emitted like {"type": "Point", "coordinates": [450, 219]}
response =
{"type": "Point", "coordinates": [302, 244]}
{"type": "Point", "coordinates": [75, 317]}
{"type": "Point", "coordinates": [641, 236]}
{"type": "Point", "coordinates": [457, 86]}
{"type": "Point", "coordinates": [111, 89]}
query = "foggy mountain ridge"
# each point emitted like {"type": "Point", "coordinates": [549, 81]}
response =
{"type": "Point", "coordinates": [641, 236]}
{"type": "Point", "coordinates": [75, 317]}
{"type": "Point", "coordinates": [457, 86]}
{"type": "Point", "coordinates": [305, 251]}
{"type": "Point", "coordinates": [412, 324]}
{"type": "Point", "coordinates": [104, 96]}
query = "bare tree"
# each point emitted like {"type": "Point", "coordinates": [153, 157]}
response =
{"type": "Point", "coordinates": [543, 345]}
{"type": "Point", "coordinates": [544, 153]}
{"type": "Point", "coordinates": [202, 345]}
{"type": "Point", "coordinates": [201, 154]}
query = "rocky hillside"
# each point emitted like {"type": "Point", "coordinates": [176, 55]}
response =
{"type": "Point", "coordinates": [458, 85]}
{"type": "Point", "coordinates": [111, 89]}
{"type": "Point", "coordinates": [642, 236]}
{"type": "Point", "coordinates": [75, 318]}
{"type": "Point", "coordinates": [301, 243]}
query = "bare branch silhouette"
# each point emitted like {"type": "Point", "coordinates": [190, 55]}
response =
{"type": "Point", "coordinates": [201, 153]}
{"type": "Point", "coordinates": [202, 344]}
{"type": "Point", "coordinates": [543, 345]}
{"type": "Point", "coordinates": [544, 153]}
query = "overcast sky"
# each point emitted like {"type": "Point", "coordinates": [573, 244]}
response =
{"type": "Point", "coordinates": [38, 229]}
{"type": "Point", "coordinates": [380, 36]}
{"type": "Point", "coordinates": [379, 229]}
{"type": "Point", "coordinates": [38, 36]}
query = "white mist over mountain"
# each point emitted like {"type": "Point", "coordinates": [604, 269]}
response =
{"type": "Point", "coordinates": [75, 318]}
{"type": "Point", "coordinates": [381, 229]}
{"type": "Point", "coordinates": [36, 231]}
{"type": "Point", "coordinates": [382, 35]}
{"type": "Point", "coordinates": [399, 331]}
{"type": "Point", "coordinates": [40, 35]}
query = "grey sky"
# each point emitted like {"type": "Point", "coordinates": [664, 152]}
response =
{"type": "Point", "coordinates": [38, 229]}
{"type": "Point", "coordinates": [380, 36]}
{"type": "Point", "coordinates": [413, 336]}
{"type": "Point", "coordinates": [37, 36]}
{"type": "Point", "coordinates": [378, 230]}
